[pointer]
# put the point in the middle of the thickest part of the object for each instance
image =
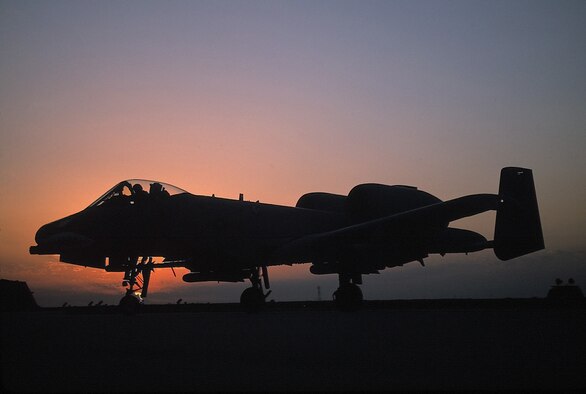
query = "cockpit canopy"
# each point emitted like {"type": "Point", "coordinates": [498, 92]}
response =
{"type": "Point", "coordinates": [135, 189]}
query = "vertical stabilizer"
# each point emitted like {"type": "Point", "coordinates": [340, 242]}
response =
{"type": "Point", "coordinates": [518, 227]}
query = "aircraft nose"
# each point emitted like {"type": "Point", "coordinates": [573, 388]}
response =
{"type": "Point", "coordinates": [43, 233]}
{"type": "Point", "coordinates": [50, 229]}
{"type": "Point", "coordinates": [55, 237]}
{"type": "Point", "coordinates": [46, 231]}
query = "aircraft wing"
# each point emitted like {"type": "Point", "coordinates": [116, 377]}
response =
{"type": "Point", "coordinates": [409, 223]}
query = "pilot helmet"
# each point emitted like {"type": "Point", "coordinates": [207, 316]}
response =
{"type": "Point", "coordinates": [156, 187]}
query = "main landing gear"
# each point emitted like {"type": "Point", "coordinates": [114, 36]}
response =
{"type": "Point", "coordinates": [253, 298]}
{"type": "Point", "coordinates": [348, 296]}
{"type": "Point", "coordinates": [136, 277]}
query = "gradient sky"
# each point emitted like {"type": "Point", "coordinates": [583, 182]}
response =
{"type": "Point", "coordinates": [275, 99]}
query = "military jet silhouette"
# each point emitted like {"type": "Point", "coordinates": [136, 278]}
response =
{"type": "Point", "coordinates": [372, 228]}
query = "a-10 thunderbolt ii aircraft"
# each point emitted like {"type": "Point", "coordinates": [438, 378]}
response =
{"type": "Point", "coordinates": [372, 228]}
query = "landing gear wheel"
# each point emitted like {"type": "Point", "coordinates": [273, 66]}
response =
{"type": "Point", "coordinates": [252, 299]}
{"type": "Point", "coordinates": [348, 297]}
{"type": "Point", "coordinates": [129, 304]}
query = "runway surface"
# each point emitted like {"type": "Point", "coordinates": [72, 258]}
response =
{"type": "Point", "coordinates": [395, 345]}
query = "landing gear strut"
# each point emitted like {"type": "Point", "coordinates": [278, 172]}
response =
{"type": "Point", "coordinates": [348, 296]}
{"type": "Point", "coordinates": [136, 277]}
{"type": "Point", "coordinates": [253, 298]}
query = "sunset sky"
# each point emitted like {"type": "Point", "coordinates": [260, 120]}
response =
{"type": "Point", "coordinates": [275, 99]}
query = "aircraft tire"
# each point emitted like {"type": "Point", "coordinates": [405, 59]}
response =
{"type": "Point", "coordinates": [129, 304]}
{"type": "Point", "coordinates": [348, 297]}
{"type": "Point", "coordinates": [252, 299]}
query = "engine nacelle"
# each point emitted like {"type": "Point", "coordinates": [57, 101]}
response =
{"type": "Point", "coordinates": [370, 201]}
{"type": "Point", "coordinates": [323, 202]}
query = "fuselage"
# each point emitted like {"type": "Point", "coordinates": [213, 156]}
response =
{"type": "Point", "coordinates": [211, 233]}
{"type": "Point", "coordinates": [216, 230]}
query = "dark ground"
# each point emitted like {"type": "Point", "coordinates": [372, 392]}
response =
{"type": "Point", "coordinates": [387, 345]}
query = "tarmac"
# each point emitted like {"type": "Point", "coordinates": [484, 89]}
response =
{"type": "Point", "coordinates": [305, 346]}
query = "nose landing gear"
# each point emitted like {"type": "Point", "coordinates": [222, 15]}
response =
{"type": "Point", "coordinates": [136, 277]}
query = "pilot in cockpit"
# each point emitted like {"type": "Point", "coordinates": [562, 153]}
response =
{"type": "Point", "coordinates": [157, 191]}
{"type": "Point", "coordinates": [139, 193]}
